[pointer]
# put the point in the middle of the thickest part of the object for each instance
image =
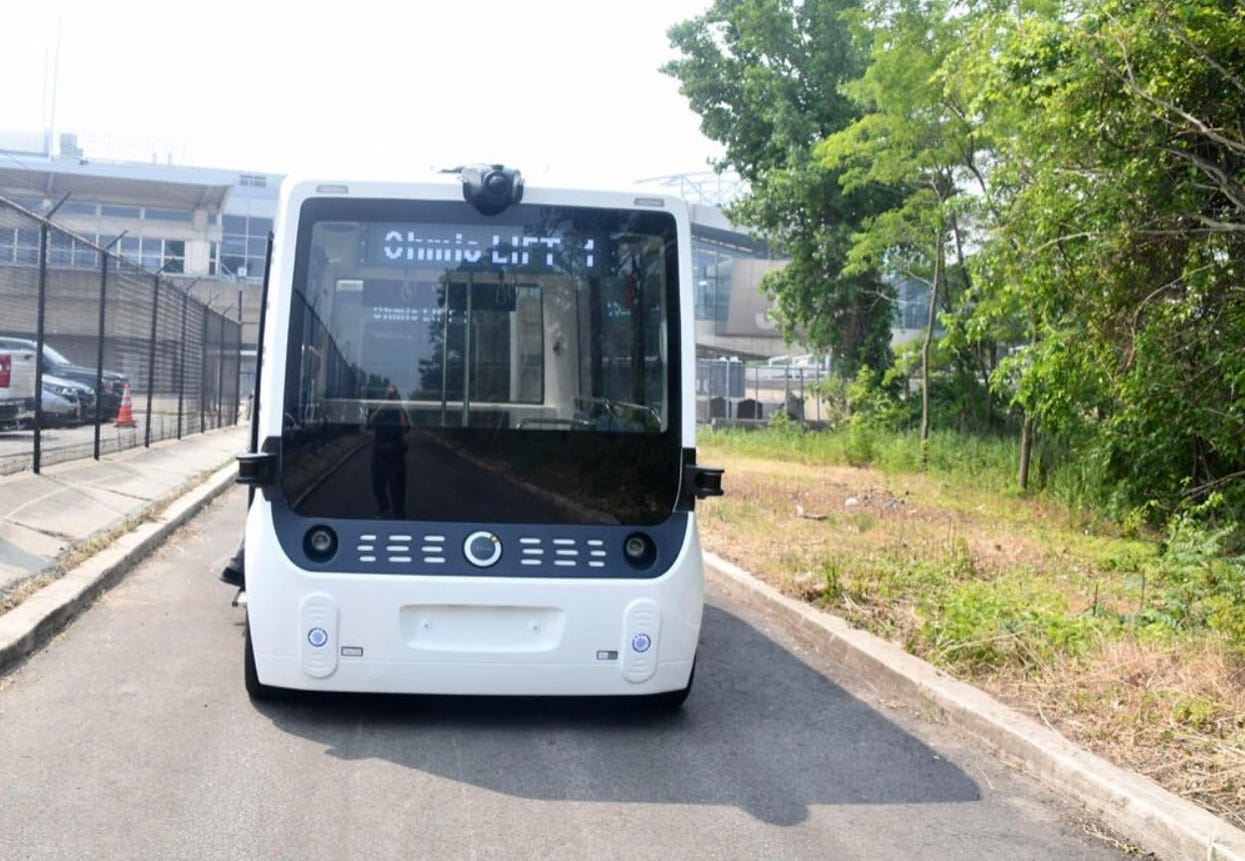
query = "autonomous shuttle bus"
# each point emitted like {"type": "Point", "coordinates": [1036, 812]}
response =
{"type": "Point", "coordinates": [473, 451]}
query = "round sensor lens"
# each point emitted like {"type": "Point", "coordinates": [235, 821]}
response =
{"type": "Point", "coordinates": [320, 543]}
{"type": "Point", "coordinates": [639, 550]}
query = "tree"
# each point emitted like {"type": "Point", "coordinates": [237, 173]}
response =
{"type": "Point", "coordinates": [764, 75]}
{"type": "Point", "coordinates": [1123, 152]}
{"type": "Point", "coordinates": [917, 140]}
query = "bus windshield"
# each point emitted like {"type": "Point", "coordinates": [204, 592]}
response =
{"type": "Point", "coordinates": [514, 368]}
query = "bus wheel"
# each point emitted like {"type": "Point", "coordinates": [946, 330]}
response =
{"type": "Point", "coordinates": [254, 688]}
{"type": "Point", "coordinates": [673, 700]}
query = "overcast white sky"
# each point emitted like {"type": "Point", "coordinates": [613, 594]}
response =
{"type": "Point", "coordinates": [569, 92]}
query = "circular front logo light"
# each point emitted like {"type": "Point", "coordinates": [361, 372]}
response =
{"type": "Point", "coordinates": [482, 549]}
{"type": "Point", "coordinates": [641, 643]}
{"type": "Point", "coordinates": [317, 637]}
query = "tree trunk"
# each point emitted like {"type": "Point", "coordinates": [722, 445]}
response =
{"type": "Point", "coordinates": [1026, 451]}
{"type": "Point", "coordinates": [928, 343]}
{"type": "Point", "coordinates": [989, 371]}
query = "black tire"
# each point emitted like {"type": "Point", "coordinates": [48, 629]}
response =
{"type": "Point", "coordinates": [673, 700]}
{"type": "Point", "coordinates": [258, 691]}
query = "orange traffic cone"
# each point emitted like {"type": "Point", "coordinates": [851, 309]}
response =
{"type": "Point", "coordinates": [125, 417]}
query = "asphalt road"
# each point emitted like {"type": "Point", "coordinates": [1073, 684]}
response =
{"type": "Point", "coordinates": [130, 736]}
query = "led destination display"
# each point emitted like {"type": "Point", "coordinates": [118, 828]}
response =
{"type": "Point", "coordinates": [474, 246]}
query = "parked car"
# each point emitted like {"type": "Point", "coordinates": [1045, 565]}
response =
{"type": "Point", "coordinates": [9, 407]}
{"type": "Point", "coordinates": [80, 395]}
{"type": "Point", "coordinates": [17, 384]}
{"type": "Point", "coordinates": [57, 365]}
{"type": "Point", "coordinates": [58, 410]}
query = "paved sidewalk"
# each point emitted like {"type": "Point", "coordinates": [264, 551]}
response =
{"type": "Point", "coordinates": [91, 522]}
{"type": "Point", "coordinates": [45, 518]}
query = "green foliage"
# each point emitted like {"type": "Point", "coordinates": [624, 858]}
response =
{"type": "Point", "coordinates": [781, 423]}
{"type": "Point", "coordinates": [1121, 225]}
{"type": "Point", "coordinates": [765, 77]}
{"type": "Point", "coordinates": [916, 140]}
{"type": "Point", "coordinates": [985, 626]}
{"type": "Point", "coordinates": [1068, 176]}
{"type": "Point", "coordinates": [1195, 585]}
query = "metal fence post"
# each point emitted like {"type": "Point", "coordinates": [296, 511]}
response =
{"type": "Point", "coordinates": [237, 385]}
{"type": "Point", "coordinates": [151, 355]}
{"type": "Point", "coordinates": [40, 334]}
{"type": "Point", "coordinates": [181, 365]}
{"type": "Point", "coordinates": [99, 352]}
{"type": "Point", "coordinates": [40, 315]}
{"type": "Point", "coordinates": [203, 375]}
{"type": "Point", "coordinates": [220, 371]}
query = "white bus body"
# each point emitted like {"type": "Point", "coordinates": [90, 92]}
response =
{"type": "Point", "coordinates": [475, 443]}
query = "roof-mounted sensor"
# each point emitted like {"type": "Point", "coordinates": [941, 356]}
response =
{"type": "Point", "coordinates": [491, 188]}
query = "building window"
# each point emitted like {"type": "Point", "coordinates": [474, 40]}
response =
{"type": "Point", "coordinates": [244, 245]}
{"type": "Point", "coordinates": [154, 255]}
{"type": "Point", "coordinates": [712, 267]}
{"type": "Point", "coordinates": [174, 258]}
{"type": "Point", "coordinates": [912, 306]}
{"type": "Point", "coordinates": [60, 249]}
{"type": "Point", "coordinates": [177, 215]}
{"type": "Point", "coordinates": [27, 247]}
{"type": "Point", "coordinates": [120, 211]}
{"type": "Point", "coordinates": [213, 258]}
{"type": "Point", "coordinates": [20, 246]}
{"type": "Point", "coordinates": [63, 250]}
{"type": "Point", "coordinates": [84, 256]}
{"type": "Point", "coordinates": [253, 180]}
{"type": "Point", "coordinates": [130, 248]}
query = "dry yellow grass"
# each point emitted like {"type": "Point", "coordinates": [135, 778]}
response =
{"type": "Point", "coordinates": [880, 550]}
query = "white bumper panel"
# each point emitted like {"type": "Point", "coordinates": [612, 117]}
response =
{"type": "Point", "coordinates": [471, 635]}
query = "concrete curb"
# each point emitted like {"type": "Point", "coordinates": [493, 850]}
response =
{"type": "Point", "coordinates": [1134, 806]}
{"type": "Point", "coordinates": [40, 617]}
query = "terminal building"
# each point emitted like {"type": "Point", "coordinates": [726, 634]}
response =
{"type": "Point", "coordinates": [207, 230]}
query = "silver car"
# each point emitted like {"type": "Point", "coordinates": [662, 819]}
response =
{"type": "Point", "coordinates": [61, 406]}
{"type": "Point", "coordinates": [72, 391]}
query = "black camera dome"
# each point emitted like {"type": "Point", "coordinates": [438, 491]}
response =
{"type": "Point", "coordinates": [491, 188]}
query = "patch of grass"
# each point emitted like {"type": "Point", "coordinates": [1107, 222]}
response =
{"type": "Point", "coordinates": [1009, 623]}
{"type": "Point", "coordinates": [24, 590]}
{"type": "Point", "coordinates": [985, 462]}
{"type": "Point", "coordinates": [1133, 645]}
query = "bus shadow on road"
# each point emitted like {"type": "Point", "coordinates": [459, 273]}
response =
{"type": "Point", "coordinates": [761, 731]}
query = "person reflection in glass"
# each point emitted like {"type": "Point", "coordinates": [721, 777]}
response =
{"type": "Point", "coordinates": [389, 423]}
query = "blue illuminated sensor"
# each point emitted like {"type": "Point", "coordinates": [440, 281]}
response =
{"type": "Point", "coordinates": [641, 643]}
{"type": "Point", "coordinates": [317, 637]}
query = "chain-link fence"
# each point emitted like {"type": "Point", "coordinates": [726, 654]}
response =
{"type": "Point", "coordinates": [129, 357]}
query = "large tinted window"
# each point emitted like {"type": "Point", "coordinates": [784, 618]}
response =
{"type": "Point", "coordinates": [531, 349]}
